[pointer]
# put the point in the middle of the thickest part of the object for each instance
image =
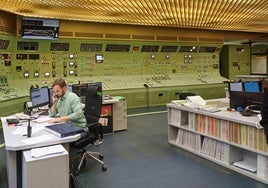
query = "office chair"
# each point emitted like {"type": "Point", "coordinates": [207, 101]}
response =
{"type": "Point", "coordinates": [92, 112]}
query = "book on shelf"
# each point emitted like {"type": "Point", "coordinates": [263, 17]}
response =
{"type": "Point", "coordinates": [250, 137]}
{"type": "Point", "coordinates": [260, 136]}
{"type": "Point", "coordinates": [225, 153]}
{"type": "Point", "coordinates": [247, 165]}
{"type": "Point", "coordinates": [248, 161]}
{"type": "Point", "coordinates": [218, 150]}
{"type": "Point", "coordinates": [63, 129]}
{"type": "Point", "coordinates": [243, 134]}
{"type": "Point", "coordinates": [262, 166]}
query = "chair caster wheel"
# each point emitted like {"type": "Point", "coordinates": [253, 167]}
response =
{"type": "Point", "coordinates": [101, 157]}
{"type": "Point", "coordinates": [104, 168]}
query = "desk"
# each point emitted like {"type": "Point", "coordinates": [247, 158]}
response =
{"type": "Point", "coordinates": [14, 146]}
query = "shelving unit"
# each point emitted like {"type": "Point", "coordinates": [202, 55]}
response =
{"type": "Point", "coordinates": [226, 138]}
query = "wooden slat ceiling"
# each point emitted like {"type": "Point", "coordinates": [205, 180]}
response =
{"type": "Point", "coordinates": [225, 15]}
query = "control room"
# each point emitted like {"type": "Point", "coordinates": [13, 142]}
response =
{"type": "Point", "coordinates": [143, 90]}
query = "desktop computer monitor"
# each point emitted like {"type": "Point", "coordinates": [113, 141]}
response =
{"type": "Point", "coordinates": [70, 88]}
{"type": "Point", "coordinates": [39, 97]}
{"type": "Point", "coordinates": [244, 99]}
{"type": "Point", "coordinates": [80, 89]}
{"type": "Point", "coordinates": [252, 87]}
{"type": "Point", "coordinates": [235, 86]}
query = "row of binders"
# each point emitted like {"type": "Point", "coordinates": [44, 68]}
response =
{"type": "Point", "coordinates": [209, 147]}
{"type": "Point", "coordinates": [221, 152]}
{"type": "Point", "coordinates": [189, 140]}
{"type": "Point", "coordinates": [244, 135]}
{"type": "Point", "coordinates": [215, 149]}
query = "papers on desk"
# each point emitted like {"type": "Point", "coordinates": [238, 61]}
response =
{"type": "Point", "coordinates": [37, 139]}
{"type": "Point", "coordinates": [197, 103]}
{"type": "Point", "coordinates": [196, 100]}
{"type": "Point", "coordinates": [42, 119]}
{"type": "Point", "coordinates": [208, 108]}
{"type": "Point", "coordinates": [45, 151]}
{"type": "Point", "coordinates": [22, 130]}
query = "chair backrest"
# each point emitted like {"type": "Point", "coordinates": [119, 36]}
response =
{"type": "Point", "coordinates": [93, 104]}
{"type": "Point", "coordinates": [92, 112]}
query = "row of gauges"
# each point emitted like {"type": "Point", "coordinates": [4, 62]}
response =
{"type": "Point", "coordinates": [36, 74]}
{"type": "Point", "coordinates": [71, 64]}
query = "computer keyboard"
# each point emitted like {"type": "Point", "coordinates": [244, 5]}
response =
{"type": "Point", "coordinates": [43, 113]}
{"type": "Point", "coordinates": [22, 116]}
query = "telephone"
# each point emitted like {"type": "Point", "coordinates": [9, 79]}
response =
{"type": "Point", "coordinates": [251, 110]}
{"type": "Point", "coordinates": [28, 107]}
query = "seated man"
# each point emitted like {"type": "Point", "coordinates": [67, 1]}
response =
{"type": "Point", "coordinates": [66, 105]}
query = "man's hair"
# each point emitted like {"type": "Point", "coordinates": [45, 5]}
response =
{"type": "Point", "coordinates": [59, 81]}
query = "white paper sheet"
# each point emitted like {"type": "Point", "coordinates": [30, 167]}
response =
{"type": "Point", "coordinates": [49, 150]}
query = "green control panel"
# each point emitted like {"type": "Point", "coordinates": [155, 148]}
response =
{"type": "Point", "coordinates": [124, 67]}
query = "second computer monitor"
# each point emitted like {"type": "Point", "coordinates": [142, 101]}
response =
{"type": "Point", "coordinates": [235, 86]}
{"type": "Point", "coordinates": [39, 97]}
{"type": "Point", "coordinates": [252, 87]}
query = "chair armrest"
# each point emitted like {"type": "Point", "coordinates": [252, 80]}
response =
{"type": "Point", "coordinates": [93, 126]}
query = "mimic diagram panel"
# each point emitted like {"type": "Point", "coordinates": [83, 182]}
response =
{"type": "Point", "coordinates": [117, 64]}
{"type": "Point", "coordinates": [235, 60]}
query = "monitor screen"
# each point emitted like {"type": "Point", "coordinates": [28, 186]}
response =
{"type": "Point", "coordinates": [252, 87]}
{"type": "Point", "coordinates": [39, 97]}
{"type": "Point", "coordinates": [40, 28]}
{"type": "Point", "coordinates": [70, 88]}
{"type": "Point", "coordinates": [99, 58]}
{"type": "Point", "coordinates": [235, 86]}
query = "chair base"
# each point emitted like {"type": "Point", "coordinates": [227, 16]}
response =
{"type": "Point", "coordinates": [93, 156]}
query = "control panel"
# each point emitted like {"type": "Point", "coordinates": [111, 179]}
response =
{"type": "Point", "coordinates": [117, 64]}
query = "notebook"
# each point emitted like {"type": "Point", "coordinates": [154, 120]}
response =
{"type": "Point", "coordinates": [64, 129]}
